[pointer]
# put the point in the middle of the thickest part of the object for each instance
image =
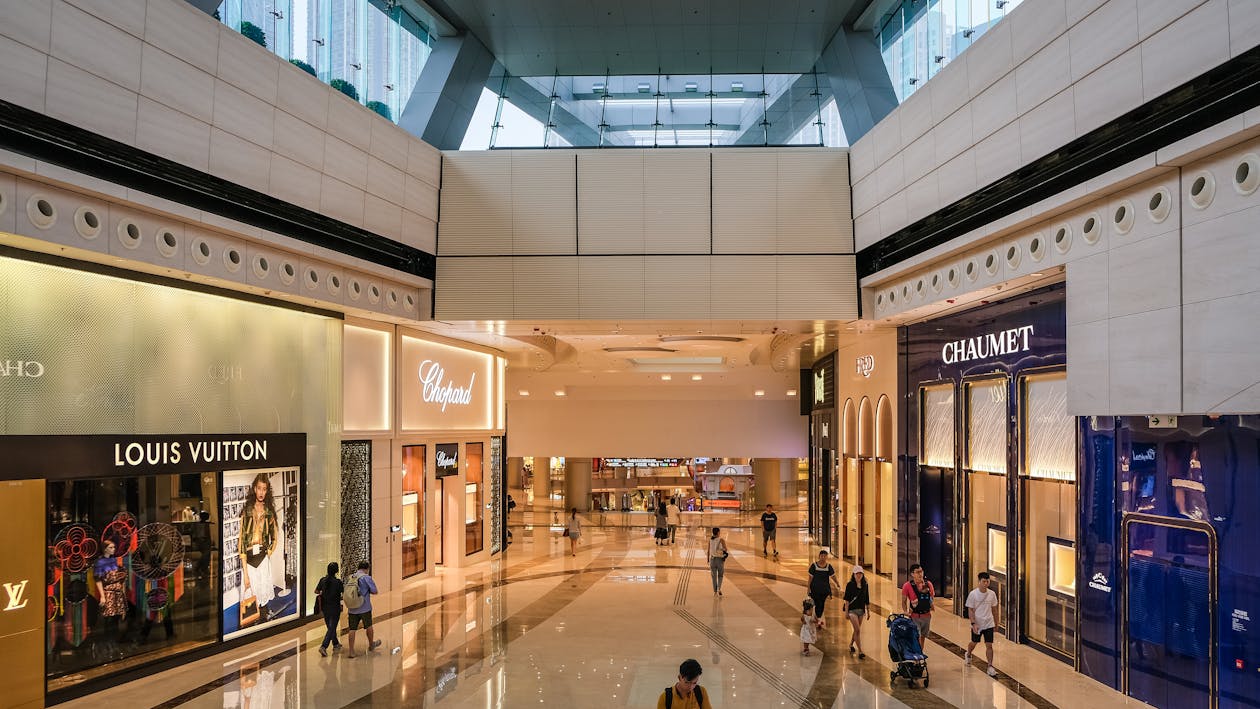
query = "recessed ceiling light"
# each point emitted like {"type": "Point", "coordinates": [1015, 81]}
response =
{"type": "Point", "coordinates": [791, 392]}
{"type": "Point", "coordinates": [759, 392]}
{"type": "Point", "coordinates": [1037, 274]}
{"type": "Point", "coordinates": [559, 392]}
{"type": "Point", "coordinates": [696, 377]}
{"type": "Point", "coordinates": [666, 377]}
{"type": "Point", "coordinates": [523, 392]}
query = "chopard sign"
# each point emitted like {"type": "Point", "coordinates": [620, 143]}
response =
{"type": "Point", "coordinates": [994, 344]}
{"type": "Point", "coordinates": [434, 391]}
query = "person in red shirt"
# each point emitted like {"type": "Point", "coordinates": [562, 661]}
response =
{"type": "Point", "coordinates": [917, 597]}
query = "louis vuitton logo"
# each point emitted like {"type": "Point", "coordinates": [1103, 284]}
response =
{"type": "Point", "coordinates": [17, 595]}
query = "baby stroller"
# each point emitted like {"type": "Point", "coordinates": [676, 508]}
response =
{"type": "Point", "coordinates": [905, 650]}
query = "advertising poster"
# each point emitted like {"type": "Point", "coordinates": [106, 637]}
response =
{"type": "Point", "coordinates": [261, 568]}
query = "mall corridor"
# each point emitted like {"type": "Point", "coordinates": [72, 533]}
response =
{"type": "Point", "coordinates": [608, 628]}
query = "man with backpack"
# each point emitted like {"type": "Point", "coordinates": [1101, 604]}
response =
{"type": "Point", "coordinates": [916, 600]}
{"type": "Point", "coordinates": [358, 599]}
{"type": "Point", "coordinates": [686, 693]}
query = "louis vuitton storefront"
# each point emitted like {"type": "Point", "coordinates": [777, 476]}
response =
{"type": "Point", "coordinates": [167, 463]}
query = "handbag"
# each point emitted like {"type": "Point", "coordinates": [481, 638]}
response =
{"type": "Point", "coordinates": [566, 532]}
{"type": "Point", "coordinates": [249, 610]}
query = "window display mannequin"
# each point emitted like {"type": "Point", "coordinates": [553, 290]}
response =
{"type": "Point", "coordinates": [1189, 492]}
{"type": "Point", "coordinates": [260, 533]}
{"type": "Point", "coordinates": [111, 587]}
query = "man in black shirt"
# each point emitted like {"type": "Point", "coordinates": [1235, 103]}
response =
{"type": "Point", "coordinates": [769, 526]}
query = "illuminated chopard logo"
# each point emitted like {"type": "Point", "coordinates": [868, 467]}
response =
{"type": "Point", "coordinates": [17, 595]}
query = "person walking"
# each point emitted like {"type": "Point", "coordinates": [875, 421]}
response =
{"type": "Point", "coordinates": [917, 596]}
{"type": "Point", "coordinates": [822, 579]}
{"type": "Point", "coordinates": [361, 613]}
{"type": "Point", "coordinates": [809, 625]}
{"type": "Point", "coordinates": [662, 524]}
{"type": "Point", "coordinates": [769, 531]}
{"type": "Point", "coordinates": [674, 515]}
{"type": "Point", "coordinates": [981, 604]}
{"type": "Point", "coordinates": [329, 590]}
{"type": "Point", "coordinates": [857, 597]}
{"type": "Point", "coordinates": [575, 531]}
{"type": "Point", "coordinates": [686, 693]}
{"type": "Point", "coordinates": [718, 552]}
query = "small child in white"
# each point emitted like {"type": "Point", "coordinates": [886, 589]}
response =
{"type": "Point", "coordinates": [809, 626]}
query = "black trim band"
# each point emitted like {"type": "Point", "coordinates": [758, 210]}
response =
{"type": "Point", "coordinates": [50, 140]}
{"type": "Point", "coordinates": [1220, 93]}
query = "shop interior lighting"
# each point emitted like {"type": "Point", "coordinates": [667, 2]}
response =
{"type": "Point", "coordinates": [759, 392]}
{"type": "Point", "coordinates": [791, 392]}
{"type": "Point", "coordinates": [666, 377]}
{"type": "Point", "coordinates": [696, 377]}
{"type": "Point", "coordinates": [523, 392]}
{"type": "Point", "coordinates": [559, 392]}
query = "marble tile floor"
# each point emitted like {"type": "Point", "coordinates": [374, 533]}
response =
{"type": "Point", "coordinates": [608, 628]}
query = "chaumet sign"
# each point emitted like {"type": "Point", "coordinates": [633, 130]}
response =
{"type": "Point", "coordinates": [994, 344]}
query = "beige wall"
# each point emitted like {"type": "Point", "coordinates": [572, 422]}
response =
{"type": "Point", "coordinates": [1052, 71]}
{"type": "Point", "coordinates": [595, 429]}
{"type": "Point", "coordinates": [658, 234]}
{"type": "Point", "coordinates": [170, 80]}
{"type": "Point", "coordinates": [881, 347]}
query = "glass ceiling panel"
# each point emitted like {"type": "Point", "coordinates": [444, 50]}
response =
{"type": "Point", "coordinates": [662, 110]}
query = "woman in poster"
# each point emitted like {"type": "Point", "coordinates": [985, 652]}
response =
{"type": "Point", "coordinates": [260, 533]}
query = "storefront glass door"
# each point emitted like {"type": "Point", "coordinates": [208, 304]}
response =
{"type": "Point", "coordinates": [852, 530]}
{"type": "Point", "coordinates": [987, 440]}
{"type": "Point", "coordinates": [870, 513]}
{"type": "Point", "coordinates": [1048, 496]}
{"type": "Point", "coordinates": [1170, 609]}
{"type": "Point", "coordinates": [413, 536]}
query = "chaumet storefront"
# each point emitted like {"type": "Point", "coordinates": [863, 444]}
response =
{"type": "Point", "coordinates": [993, 454]}
{"type": "Point", "coordinates": [168, 488]}
{"type": "Point", "coordinates": [424, 424]}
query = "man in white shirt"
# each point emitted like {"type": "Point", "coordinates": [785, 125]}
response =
{"type": "Point", "coordinates": [981, 604]}
{"type": "Point", "coordinates": [674, 515]}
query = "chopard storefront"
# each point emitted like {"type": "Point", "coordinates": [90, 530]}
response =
{"type": "Point", "coordinates": [166, 465]}
{"type": "Point", "coordinates": [424, 422]}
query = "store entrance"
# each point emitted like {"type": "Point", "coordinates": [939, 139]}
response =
{"type": "Point", "coordinates": [1169, 611]}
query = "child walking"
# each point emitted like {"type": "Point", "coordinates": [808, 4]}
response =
{"type": "Point", "coordinates": [809, 626]}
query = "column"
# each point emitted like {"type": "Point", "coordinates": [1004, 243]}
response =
{"type": "Point", "coordinates": [446, 94]}
{"type": "Point", "coordinates": [577, 483]}
{"type": "Point", "coordinates": [766, 478]}
{"type": "Point", "coordinates": [542, 482]}
{"type": "Point", "coordinates": [515, 468]}
{"type": "Point", "coordinates": [859, 80]}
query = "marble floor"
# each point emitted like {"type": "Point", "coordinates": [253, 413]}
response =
{"type": "Point", "coordinates": [608, 628]}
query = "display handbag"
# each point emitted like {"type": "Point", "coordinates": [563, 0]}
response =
{"type": "Point", "coordinates": [249, 610]}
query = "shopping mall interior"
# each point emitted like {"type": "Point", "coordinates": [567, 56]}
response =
{"type": "Point", "coordinates": [821, 353]}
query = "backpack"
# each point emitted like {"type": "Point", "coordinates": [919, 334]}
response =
{"type": "Point", "coordinates": [353, 598]}
{"type": "Point", "coordinates": [669, 696]}
{"type": "Point", "coordinates": [923, 601]}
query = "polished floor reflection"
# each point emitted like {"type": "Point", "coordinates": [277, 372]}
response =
{"type": "Point", "coordinates": [608, 628]}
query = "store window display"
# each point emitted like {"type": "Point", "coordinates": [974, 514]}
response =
{"type": "Point", "coordinates": [116, 568]}
{"type": "Point", "coordinates": [260, 509]}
